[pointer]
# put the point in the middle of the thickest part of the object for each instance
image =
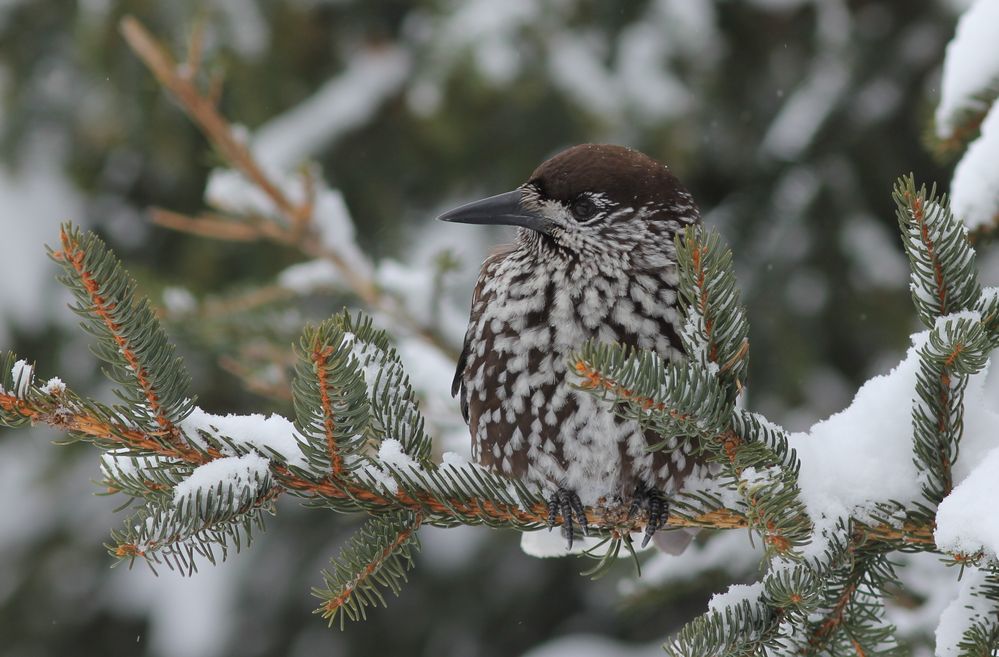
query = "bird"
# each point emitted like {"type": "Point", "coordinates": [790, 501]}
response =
{"type": "Point", "coordinates": [594, 259]}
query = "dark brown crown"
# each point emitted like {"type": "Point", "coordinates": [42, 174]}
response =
{"type": "Point", "coordinates": [624, 175]}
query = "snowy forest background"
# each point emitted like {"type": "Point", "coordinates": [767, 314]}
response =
{"type": "Point", "coordinates": [788, 120]}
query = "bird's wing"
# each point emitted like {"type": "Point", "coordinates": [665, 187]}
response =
{"type": "Point", "coordinates": [478, 304]}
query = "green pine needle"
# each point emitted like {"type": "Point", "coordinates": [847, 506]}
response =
{"type": "Point", "coordinates": [153, 383]}
{"type": "Point", "coordinates": [375, 558]}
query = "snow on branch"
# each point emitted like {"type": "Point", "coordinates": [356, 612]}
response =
{"type": "Point", "coordinates": [967, 118]}
{"type": "Point", "coordinates": [969, 625]}
{"type": "Point", "coordinates": [359, 445]}
{"type": "Point", "coordinates": [339, 105]}
{"type": "Point", "coordinates": [975, 186]}
{"type": "Point", "coordinates": [970, 81]}
{"type": "Point", "coordinates": [913, 453]}
{"type": "Point", "coordinates": [260, 200]}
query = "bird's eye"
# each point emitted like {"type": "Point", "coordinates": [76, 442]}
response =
{"type": "Point", "coordinates": [583, 208]}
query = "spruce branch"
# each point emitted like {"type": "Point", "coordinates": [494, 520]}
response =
{"type": "Point", "coordinates": [716, 331]}
{"type": "Point", "coordinates": [395, 413]}
{"type": "Point", "coordinates": [944, 276]}
{"type": "Point", "coordinates": [196, 520]}
{"type": "Point", "coordinates": [956, 348]}
{"type": "Point", "coordinates": [154, 383]}
{"type": "Point", "coordinates": [294, 225]}
{"type": "Point", "coordinates": [965, 126]}
{"type": "Point", "coordinates": [685, 403]}
{"type": "Point", "coordinates": [851, 620]}
{"type": "Point", "coordinates": [93, 423]}
{"type": "Point", "coordinates": [201, 108]}
{"type": "Point", "coordinates": [331, 403]}
{"type": "Point", "coordinates": [746, 628]}
{"type": "Point", "coordinates": [364, 450]}
{"type": "Point", "coordinates": [376, 557]}
{"type": "Point", "coordinates": [671, 399]}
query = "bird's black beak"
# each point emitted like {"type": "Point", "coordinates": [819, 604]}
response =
{"type": "Point", "coordinates": [501, 210]}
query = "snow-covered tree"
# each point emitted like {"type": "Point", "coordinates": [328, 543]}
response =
{"type": "Point", "coordinates": [829, 528]}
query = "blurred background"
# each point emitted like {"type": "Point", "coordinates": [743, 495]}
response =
{"type": "Point", "coordinates": [789, 120]}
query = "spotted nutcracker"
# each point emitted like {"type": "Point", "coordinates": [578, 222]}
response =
{"type": "Point", "coordinates": [594, 259]}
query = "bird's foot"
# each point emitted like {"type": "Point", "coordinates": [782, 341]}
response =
{"type": "Point", "coordinates": [566, 503]}
{"type": "Point", "coordinates": [656, 506]}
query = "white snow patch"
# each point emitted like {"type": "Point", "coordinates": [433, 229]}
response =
{"type": "Point", "coordinates": [236, 473]}
{"type": "Point", "coordinates": [975, 186]}
{"type": "Point", "coordinates": [310, 276]}
{"type": "Point", "coordinates": [430, 373]}
{"type": "Point", "coordinates": [414, 286]}
{"type": "Point", "coordinates": [576, 63]}
{"type": "Point", "coordinates": [179, 300]}
{"type": "Point", "coordinates": [454, 460]}
{"type": "Point", "coordinates": [36, 197]}
{"type": "Point", "coordinates": [341, 104]}
{"type": "Point", "coordinates": [644, 76]}
{"type": "Point", "coordinates": [247, 31]}
{"type": "Point", "coordinates": [959, 615]}
{"type": "Point", "coordinates": [863, 454]}
{"type": "Point", "coordinates": [806, 111]}
{"type": "Point", "coordinates": [391, 453]}
{"type": "Point", "coordinates": [966, 519]}
{"type": "Point", "coordinates": [54, 386]}
{"type": "Point", "coordinates": [228, 190]}
{"type": "Point", "coordinates": [187, 616]}
{"type": "Point", "coordinates": [733, 552]}
{"type": "Point", "coordinates": [544, 544]}
{"type": "Point", "coordinates": [23, 374]}
{"type": "Point", "coordinates": [266, 434]}
{"type": "Point", "coordinates": [735, 595]}
{"type": "Point", "coordinates": [120, 463]}
{"type": "Point", "coordinates": [378, 476]}
{"type": "Point", "coordinates": [490, 30]}
{"type": "Point", "coordinates": [971, 64]}
{"type": "Point", "coordinates": [876, 260]}
{"type": "Point", "coordinates": [926, 576]}
{"type": "Point", "coordinates": [332, 221]}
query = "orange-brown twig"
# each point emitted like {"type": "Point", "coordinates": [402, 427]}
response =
{"type": "Point", "coordinates": [201, 109]}
{"type": "Point", "coordinates": [919, 216]}
{"type": "Point", "coordinates": [294, 230]}
{"type": "Point", "coordinates": [319, 355]}
{"type": "Point", "coordinates": [331, 606]}
{"type": "Point", "coordinates": [342, 488]}
{"type": "Point", "coordinates": [74, 256]}
{"type": "Point", "coordinates": [339, 487]}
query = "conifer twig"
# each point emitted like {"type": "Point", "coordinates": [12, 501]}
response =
{"type": "Point", "coordinates": [295, 229]}
{"type": "Point", "coordinates": [81, 422]}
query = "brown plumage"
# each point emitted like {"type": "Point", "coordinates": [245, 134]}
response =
{"type": "Point", "coordinates": [594, 259]}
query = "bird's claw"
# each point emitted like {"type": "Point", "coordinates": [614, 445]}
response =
{"type": "Point", "coordinates": [566, 503]}
{"type": "Point", "coordinates": [656, 506]}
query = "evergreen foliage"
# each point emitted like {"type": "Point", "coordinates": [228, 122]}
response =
{"type": "Point", "coordinates": [944, 277]}
{"type": "Point", "coordinates": [378, 556]}
{"type": "Point", "coordinates": [364, 449]}
{"type": "Point", "coordinates": [153, 384]}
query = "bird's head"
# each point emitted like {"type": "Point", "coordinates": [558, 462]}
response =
{"type": "Point", "coordinates": [591, 199]}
